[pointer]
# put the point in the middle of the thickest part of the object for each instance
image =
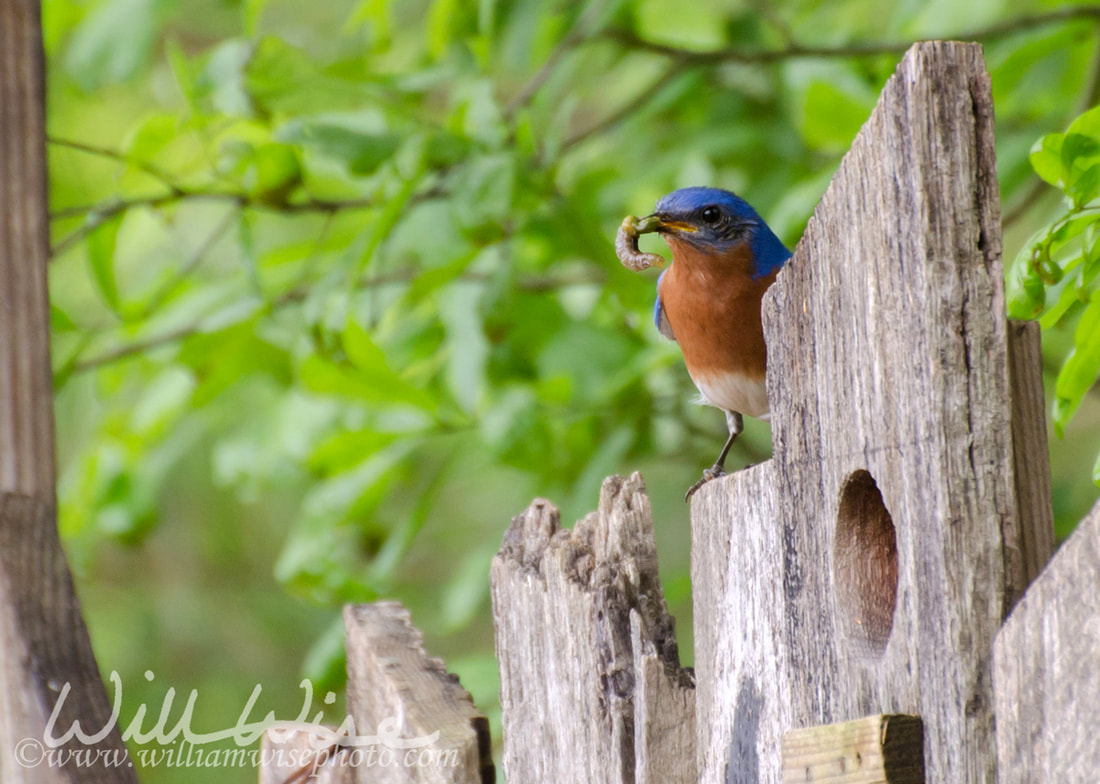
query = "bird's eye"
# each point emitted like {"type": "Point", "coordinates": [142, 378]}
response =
{"type": "Point", "coordinates": [711, 215]}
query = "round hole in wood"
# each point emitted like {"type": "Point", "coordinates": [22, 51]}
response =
{"type": "Point", "coordinates": [865, 565]}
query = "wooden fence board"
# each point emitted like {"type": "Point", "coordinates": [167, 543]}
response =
{"type": "Point", "coordinates": [872, 750]}
{"type": "Point", "coordinates": [395, 688]}
{"type": "Point", "coordinates": [1046, 673]}
{"type": "Point", "coordinates": [298, 757]}
{"type": "Point", "coordinates": [1032, 541]}
{"type": "Point", "coordinates": [867, 567]}
{"type": "Point", "coordinates": [591, 687]}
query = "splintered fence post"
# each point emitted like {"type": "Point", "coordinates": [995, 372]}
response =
{"type": "Point", "coordinates": [412, 722]}
{"type": "Point", "coordinates": [45, 654]}
{"type": "Point", "coordinates": [1046, 674]}
{"type": "Point", "coordinates": [395, 689]}
{"type": "Point", "coordinates": [591, 686]}
{"type": "Point", "coordinates": [866, 568]}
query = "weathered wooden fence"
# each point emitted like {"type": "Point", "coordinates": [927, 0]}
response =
{"type": "Point", "coordinates": [862, 601]}
{"type": "Point", "coordinates": [851, 593]}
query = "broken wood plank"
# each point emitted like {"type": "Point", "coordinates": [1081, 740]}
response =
{"type": "Point", "coordinates": [1046, 669]}
{"type": "Point", "coordinates": [591, 686]}
{"type": "Point", "coordinates": [882, 749]}
{"type": "Point", "coordinates": [425, 724]}
{"type": "Point", "coordinates": [300, 757]}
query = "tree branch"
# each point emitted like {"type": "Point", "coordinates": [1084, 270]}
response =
{"type": "Point", "coordinates": [192, 263]}
{"type": "Point", "coordinates": [116, 155]}
{"type": "Point", "coordinates": [765, 56]}
{"type": "Point", "coordinates": [574, 38]}
{"type": "Point", "coordinates": [99, 214]}
{"type": "Point", "coordinates": [636, 103]}
{"type": "Point", "coordinates": [531, 283]}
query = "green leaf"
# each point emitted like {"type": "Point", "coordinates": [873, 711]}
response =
{"type": "Point", "coordinates": [1070, 230]}
{"type": "Point", "coordinates": [101, 260]}
{"type": "Point", "coordinates": [467, 591]}
{"type": "Point", "coordinates": [60, 320]}
{"type": "Point", "coordinates": [376, 14]}
{"type": "Point", "coordinates": [112, 42]}
{"type": "Point", "coordinates": [833, 117]}
{"type": "Point", "coordinates": [222, 78]}
{"type": "Point", "coordinates": [251, 10]}
{"type": "Point", "coordinates": [346, 448]}
{"type": "Point", "coordinates": [1096, 471]}
{"type": "Point", "coordinates": [1091, 266]}
{"type": "Point", "coordinates": [154, 133]}
{"type": "Point", "coordinates": [431, 280]}
{"type": "Point", "coordinates": [361, 152]}
{"type": "Point", "coordinates": [1081, 368]}
{"type": "Point", "coordinates": [392, 212]}
{"type": "Point", "coordinates": [1084, 186]}
{"type": "Point", "coordinates": [247, 243]}
{"type": "Point", "coordinates": [1066, 299]}
{"type": "Point", "coordinates": [225, 357]}
{"type": "Point", "coordinates": [359, 347]}
{"type": "Point", "coordinates": [1046, 158]}
{"type": "Point", "coordinates": [483, 194]}
{"type": "Point", "coordinates": [181, 72]}
{"type": "Point", "coordinates": [467, 348]}
{"type": "Point", "coordinates": [366, 376]}
{"type": "Point", "coordinates": [441, 23]}
{"type": "Point", "coordinates": [1077, 146]}
{"type": "Point", "coordinates": [325, 663]}
{"type": "Point", "coordinates": [274, 172]}
{"type": "Point", "coordinates": [1088, 124]}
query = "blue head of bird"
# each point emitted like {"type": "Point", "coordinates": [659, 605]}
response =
{"type": "Point", "coordinates": [711, 222]}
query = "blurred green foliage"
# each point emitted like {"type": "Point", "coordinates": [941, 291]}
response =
{"type": "Point", "coordinates": [334, 292]}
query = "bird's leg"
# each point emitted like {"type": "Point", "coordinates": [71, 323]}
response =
{"type": "Point", "coordinates": [736, 425]}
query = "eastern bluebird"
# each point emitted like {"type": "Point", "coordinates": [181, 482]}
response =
{"type": "Point", "coordinates": [724, 257]}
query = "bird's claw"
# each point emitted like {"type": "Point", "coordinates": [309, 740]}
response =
{"type": "Point", "coordinates": [626, 242]}
{"type": "Point", "coordinates": [709, 474]}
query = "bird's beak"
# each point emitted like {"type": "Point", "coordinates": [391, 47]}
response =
{"type": "Point", "coordinates": [651, 223]}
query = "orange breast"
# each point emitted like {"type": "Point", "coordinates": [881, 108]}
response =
{"type": "Point", "coordinates": [713, 305]}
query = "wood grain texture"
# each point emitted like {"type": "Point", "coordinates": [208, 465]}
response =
{"type": "Point", "coordinates": [873, 750]}
{"type": "Point", "coordinates": [1047, 669]}
{"type": "Point", "coordinates": [1033, 543]}
{"type": "Point", "coordinates": [887, 355]}
{"type": "Point", "coordinates": [298, 757]}
{"type": "Point", "coordinates": [396, 689]}
{"type": "Point", "coordinates": [591, 685]}
{"type": "Point", "coordinates": [44, 644]}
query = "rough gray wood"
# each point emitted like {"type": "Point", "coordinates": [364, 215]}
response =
{"type": "Point", "coordinates": [43, 641]}
{"type": "Point", "coordinates": [591, 686]}
{"type": "Point", "coordinates": [1046, 673]}
{"type": "Point", "coordinates": [893, 461]}
{"type": "Point", "coordinates": [1033, 544]}
{"type": "Point", "coordinates": [396, 689]}
{"type": "Point", "coordinates": [292, 757]}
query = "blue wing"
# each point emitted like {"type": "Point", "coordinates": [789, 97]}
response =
{"type": "Point", "coordinates": [659, 317]}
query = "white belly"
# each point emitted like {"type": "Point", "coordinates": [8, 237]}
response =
{"type": "Point", "coordinates": [734, 392]}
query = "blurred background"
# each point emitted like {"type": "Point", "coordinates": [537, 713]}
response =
{"type": "Point", "coordinates": [334, 294]}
